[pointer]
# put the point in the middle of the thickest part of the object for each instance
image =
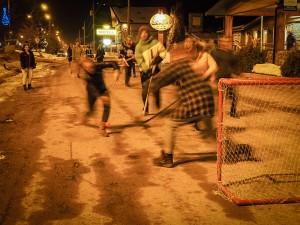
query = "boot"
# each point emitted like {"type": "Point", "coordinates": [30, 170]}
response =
{"type": "Point", "coordinates": [165, 160]}
{"type": "Point", "coordinates": [29, 86]}
{"type": "Point", "coordinates": [25, 88]}
{"type": "Point", "coordinates": [102, 130]}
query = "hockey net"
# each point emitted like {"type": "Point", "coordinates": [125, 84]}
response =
{"type": "Point", "coordinates": [258, 159]}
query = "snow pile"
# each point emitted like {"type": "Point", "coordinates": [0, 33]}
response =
{"type": "Point", "coordinates": [11, 78]}
{"type": "Point", "coordinates": [267, 68]}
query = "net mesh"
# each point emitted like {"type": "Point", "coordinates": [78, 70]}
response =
{"type": "Point", "coordinates": [258, 140]}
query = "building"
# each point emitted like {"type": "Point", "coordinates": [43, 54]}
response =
{"type": "Point", "coordinates": [271, 32]}
{"type": "Point", "coordinates": [138, 16]}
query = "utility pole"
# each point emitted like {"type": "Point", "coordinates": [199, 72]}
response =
{"type": "Point", "coordinates": [94, 44]}
{"type": "Point", "coordinates": [84, 33]}
{"type": "Point", "coordinates": [8, 10]}
{"type": "Point", "coordinates": [128, 18]}
{"type": "Point", "coordinates": [79, 36]}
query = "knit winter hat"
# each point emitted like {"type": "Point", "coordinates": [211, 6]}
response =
{"type": "Point", "coordinates": [144, 27]}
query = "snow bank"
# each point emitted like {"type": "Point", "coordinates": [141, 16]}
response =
{"type": "Point", "coordinates": [267, 68]}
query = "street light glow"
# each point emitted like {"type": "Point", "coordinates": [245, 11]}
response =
{"type": "Point", "coordinates": [106, 41]}
{"type": "Point", "coordinates": [44, 6]}
{"type": "Point", "coordinates": [47, 16]}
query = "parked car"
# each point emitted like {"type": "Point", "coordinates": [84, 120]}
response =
{"type": "Point", "coordinates": [61, 53]}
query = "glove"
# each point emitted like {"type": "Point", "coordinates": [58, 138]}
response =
{"type": "Point", "coordinates": [157, 60]}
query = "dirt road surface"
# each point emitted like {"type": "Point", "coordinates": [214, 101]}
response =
{"type": "Point", "coordinates": [54, 170]}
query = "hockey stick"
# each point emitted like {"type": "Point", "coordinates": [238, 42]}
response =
{"type": "Point", "coordinates": [138, 122]}
{"type": "Point", "coordinates": [146, 101]}
{"type": "Point", "coordinates": [125, 62]}
{"type": "Point", "coordinates": [5, 59]}
{"type": "Point", "coordinates": [5, 67]}
{"type": "Point", "coordinates": [13, 68]}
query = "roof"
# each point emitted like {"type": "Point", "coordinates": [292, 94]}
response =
{"type": "Point", "coordinates": [247, 8]}
{"type": "Point", "coordinates": [141, 15]}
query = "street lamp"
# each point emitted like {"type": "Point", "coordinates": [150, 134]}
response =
{"type": "Point", "coordinates": [161, 22]}
{"type": "Point", "coordinates": [44, 7]}
{"type": "Point", "coordinates": [48, 17]}
{"type": "Point", "coordinates": [92, 13]}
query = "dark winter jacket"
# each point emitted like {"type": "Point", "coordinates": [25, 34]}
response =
{"type": "Point", "coordinates": [290, 41]}
{"type": "Point", "coordinates": [100, 53]}
{"type": "Point", "coordinates": [96, 79]}
{"type": "Point", "coordinates": [27, 60]}
{"type": "Point", "coordinates": [69, 52]}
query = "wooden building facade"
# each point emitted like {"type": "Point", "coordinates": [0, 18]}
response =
{"type": "Point", "coordinates": [269, 29]}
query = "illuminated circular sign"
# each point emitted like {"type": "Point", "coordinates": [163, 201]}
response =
{"type": "Point", "coordinates": [161, 21]}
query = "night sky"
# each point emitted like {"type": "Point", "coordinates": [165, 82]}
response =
{"type": "Point", "coordinates": [70, 15]}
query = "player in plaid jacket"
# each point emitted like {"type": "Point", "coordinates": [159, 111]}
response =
{"type": "Point", "coordinates": [196, 103]}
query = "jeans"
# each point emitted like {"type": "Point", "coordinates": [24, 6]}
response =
{"type": "Point", "coordinates": [27, 75]}
{"type": "Point", "coordinates": [204, 123]}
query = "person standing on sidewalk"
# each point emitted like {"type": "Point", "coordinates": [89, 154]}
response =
{"type": "Point", "coordinates": [196, 101]}
{"type": "Point", "coordinates": [149, 53]}
{"type": "Point", "coordinates": [89, 51]}
{"type": "Point", "coordinates": [127, 52]}
{"type": "Point", "coordinates": [100, 53]}
{"type": "Point", "coordinates": [96, 88]}
{"type": "Point", "coordinates": [69, 56]}
{"type": "Point", "coordinates": [77, 52]}
{"type": "Point", "coordinates": [27, 61]}
{"type": "Point", "coordinates": [290, 41]}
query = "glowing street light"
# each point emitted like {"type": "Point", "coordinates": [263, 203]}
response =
{"type": "Point", "coordinates": [44, 7]}
{"type": "Point", "coordinates": [106, 26]}
{"type": "Point", "coordinates": [47, 16]}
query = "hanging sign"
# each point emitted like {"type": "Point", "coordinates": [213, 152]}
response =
{"type": "Point", "coordinates": [161, 21]}
{"type": "Point", "coordinates": [106, 32]}
{"type": "Point", "coordinates": [290, 5]}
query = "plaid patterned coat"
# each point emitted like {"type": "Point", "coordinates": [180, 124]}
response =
{"type": "Point", "coordinates": [196, 96]}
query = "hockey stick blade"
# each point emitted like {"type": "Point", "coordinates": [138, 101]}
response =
{"type": "Point", "coordinates": [5, 67]}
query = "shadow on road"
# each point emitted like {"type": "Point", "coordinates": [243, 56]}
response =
{"type": "Point", "coordinates": [196, 157]}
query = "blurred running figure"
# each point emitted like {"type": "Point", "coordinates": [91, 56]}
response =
{"type": "Point", "coordinates": [227, 66]}
{"type": "Point", "coordinates": [96, 88]}
{"type": "Point", "coordinates": [196, 103]}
